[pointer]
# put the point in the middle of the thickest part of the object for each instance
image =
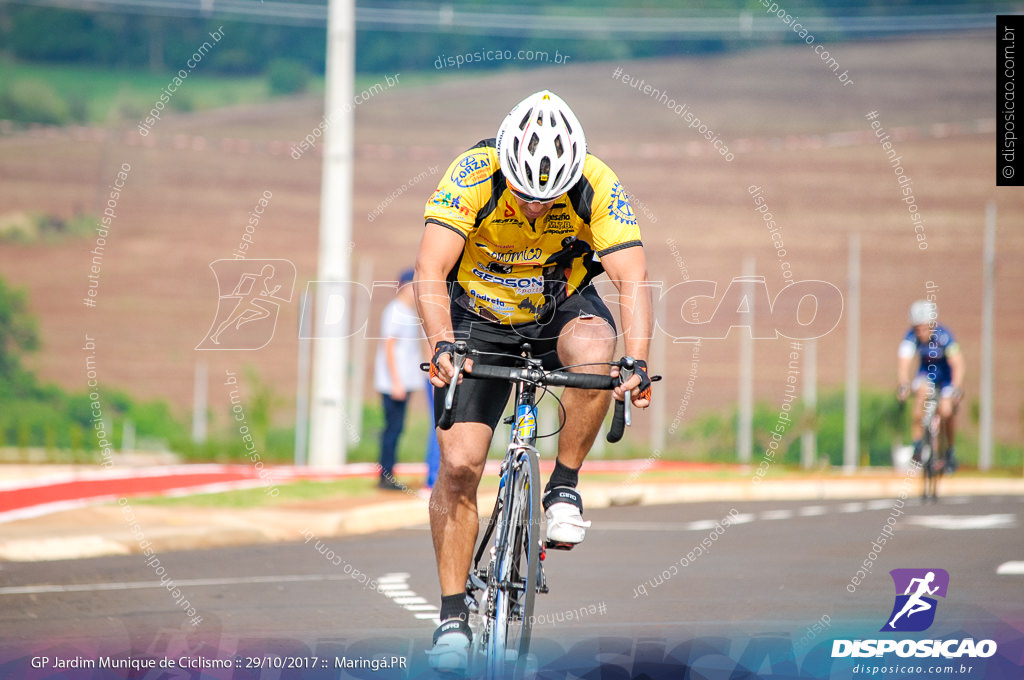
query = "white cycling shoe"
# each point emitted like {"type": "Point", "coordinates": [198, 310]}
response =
{"type": "Point", "coordinates": [450, 654]}
{"type": "Point", "coordinates": [563, 509]}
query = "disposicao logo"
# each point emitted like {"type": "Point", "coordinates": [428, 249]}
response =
{"type": "Point", "coordinates": [914, 611]}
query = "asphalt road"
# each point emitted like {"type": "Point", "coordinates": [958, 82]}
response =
{"type": "Point", "coordinates": [779, 571]}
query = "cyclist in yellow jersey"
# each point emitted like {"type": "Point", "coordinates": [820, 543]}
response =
{"type": "Point", "coordinates": [515, 232]}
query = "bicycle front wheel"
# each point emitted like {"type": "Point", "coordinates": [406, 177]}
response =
{"type": "Point", "coordinates": [518, 569]}
{"type": "Point", "coordinates": [929, 464]}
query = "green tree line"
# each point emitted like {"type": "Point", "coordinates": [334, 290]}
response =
{"type": "Point", "coordinates": [50, 34]}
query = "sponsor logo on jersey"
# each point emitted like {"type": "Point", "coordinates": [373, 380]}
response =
{"type": "Point", "coordinates": [496, 267]}
{"type": "Point", "coordinates": [515, 257]}
{"type": "Point", "coordinates": [485, 245]}
{"type": "Point", "coordinates": [491, 302]}
{"type": "Point", "coordinates": [558, 224]}
{"type": "Point", "coordinates": [472, 170]}
{"type": "Point", "coordinates": [619, 207]}
{"type": "Point", "coordinates": [446, 199]}
{"type": "Point", "coordinates": [524, 285]}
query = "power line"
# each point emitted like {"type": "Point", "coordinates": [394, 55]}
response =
{"type": "Point", "coordinates": [503, 21]}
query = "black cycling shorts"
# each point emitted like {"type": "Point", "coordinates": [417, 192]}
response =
{"type": "Point", "coordinates": [483, 401]}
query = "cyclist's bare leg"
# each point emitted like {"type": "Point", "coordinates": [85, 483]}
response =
{"type": "Point", "coordinates": [920, 397]}
{"type": "Point", "coordinates": [453, 512]}
{"type": "Point", "coordinates": [583, 340]}
{"type": "Point", "coordinates": [948, 419]}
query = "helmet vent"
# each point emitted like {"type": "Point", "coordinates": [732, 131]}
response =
{"type": "Point", "coordinates": [545, 170]}
{"type": "Point", "coordinates": [558, 177]}
{"type": "Point", "coordinates": [534, 141]}
{"type": "Point", "coordinates": [568, 125]}
{"type": "Point", "coordinates": [529, 174]}
{"type": "Point", "coordinates": [525, 120]}
{"type": "Point", "coordinates": [558, 146]}
{"type": "Point", "coordinates": [512, 171]}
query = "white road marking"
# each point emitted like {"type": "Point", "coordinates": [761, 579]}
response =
{"type": "Point", "coordinates": [192, 583]}
{"type": "Point", "coordinates": [397, 577]}
{"type": "Point", "coordinates": [851, 507]}
{"type": "Point", "coordinates": [1010, 568]}
{"type": "Point", "coordinates": [880, 504]}
{"type": "Point", "coordinates": [812, 511]}
{"type": "Point", "coordinates": [965, 522]}
{"type": "Point", "coordinates": [409, 600]}
{"type": "Point", "coordinates": [702, 525]}
{"type": "Point", "coordinates": [396, 587]}
{"type": "Point", "coordinates": [656, 526]}
{"type": "Point", "coordinates": [776, 514]}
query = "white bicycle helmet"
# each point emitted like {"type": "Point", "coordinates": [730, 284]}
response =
{"type": "Point", "coordinates": [541, 146]}
{"type": "Point", "coordinates": [923, 312]}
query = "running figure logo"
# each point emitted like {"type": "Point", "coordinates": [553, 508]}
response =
{"type": "Point", "coordinates": [250, 296]}
{"type": "Point", "coordinates": [914, 610]}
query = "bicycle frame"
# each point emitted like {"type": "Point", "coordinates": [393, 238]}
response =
{"type": "Point", "coordinates": [492, 641]}
{"type": "Point", "coordinates": [514, 573]}
{"type": "Point", "coordinates": [931, 432]}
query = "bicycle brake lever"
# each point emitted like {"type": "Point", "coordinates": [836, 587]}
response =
{"type": "Point", "coordinates": [458, 360]}
{"type": "Point", "coordinates": [625, 373]}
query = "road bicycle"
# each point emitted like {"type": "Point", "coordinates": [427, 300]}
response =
{"type": "Point", "coordinates": [507, 570]}
{"type": "Point", "coordinates": [932, 459]}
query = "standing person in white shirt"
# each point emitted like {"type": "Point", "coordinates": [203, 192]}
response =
{"type": "Point", "coordinates": [397, 371]}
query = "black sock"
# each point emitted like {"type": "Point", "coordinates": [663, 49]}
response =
{"type": "Point", "coordinates": [563, 476]}
{"type": "Point", "coordinates": [454, 607]}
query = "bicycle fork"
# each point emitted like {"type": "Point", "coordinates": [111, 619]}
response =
{"type": "Point", "coordinates": [478, 578]}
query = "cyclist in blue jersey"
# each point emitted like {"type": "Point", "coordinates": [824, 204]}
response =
{"type": "Point", "coordinates": [940, 365]}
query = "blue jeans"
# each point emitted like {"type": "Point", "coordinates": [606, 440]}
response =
{"type": "Point", "coordinates": [394, 421]}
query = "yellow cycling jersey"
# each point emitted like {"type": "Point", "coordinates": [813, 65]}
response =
{"type": "Point", "coordinates": [512, 271]}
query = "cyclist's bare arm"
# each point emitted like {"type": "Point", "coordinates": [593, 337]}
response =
{"type": "Point", "coordinates": [398, 392]}
{"type": "Point", "coordinates": [440, 249]}
{"type": "Point", "coordinates": [627, 269]}
{"type": "Point", "coordinates": [956, 369]}
{"type": "Point", "coordinates": [904, 366]}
